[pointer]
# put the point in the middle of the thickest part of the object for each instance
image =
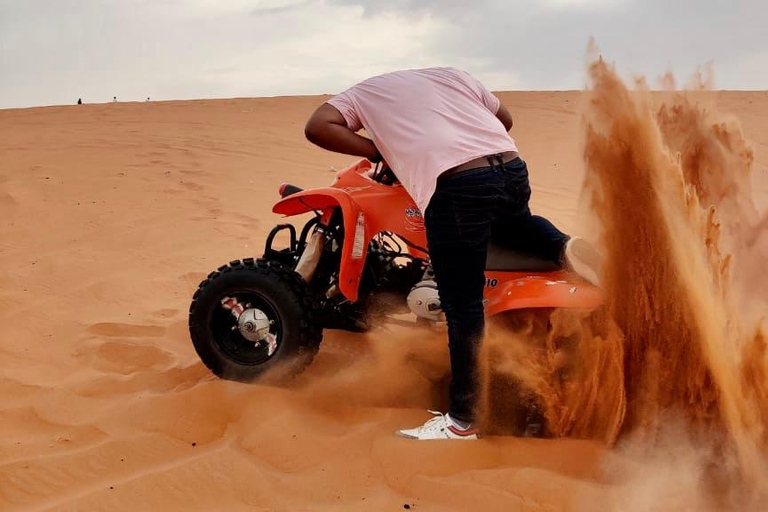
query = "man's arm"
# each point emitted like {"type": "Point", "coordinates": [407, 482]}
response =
{"type": "Point", "coordinates": [505, 117]}
{"type": "Point", "coordinates": [327, 129]}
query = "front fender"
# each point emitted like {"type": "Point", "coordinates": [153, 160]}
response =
{"type": "Point", "coordinates": [357, 234]}
{"type": "Point", "coordinates": [542, 291]}
{"type": "Point", "coordinates": [310, 200]}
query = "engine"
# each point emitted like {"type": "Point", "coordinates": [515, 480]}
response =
{"type": "Point", "coordinates": [424, 301]}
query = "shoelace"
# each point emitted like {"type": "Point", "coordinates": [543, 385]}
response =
{"type": "Point", "coordinates": [433, 423]}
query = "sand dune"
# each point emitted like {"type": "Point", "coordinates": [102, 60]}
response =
{"type": "Point", "coordinates": [112, 214]}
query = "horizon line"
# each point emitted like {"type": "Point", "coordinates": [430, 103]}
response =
{"type": "Point", "coordinates": [287, 96]}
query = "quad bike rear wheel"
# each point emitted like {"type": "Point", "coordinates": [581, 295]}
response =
{"type": "Point", "coordinates": [253, 316]}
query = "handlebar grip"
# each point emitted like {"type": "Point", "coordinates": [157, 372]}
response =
{"type": "Point", "coordinates": [287, 190]}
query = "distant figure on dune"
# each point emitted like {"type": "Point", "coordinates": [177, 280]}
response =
{"type": "Point", "coordinates": [114, 99]}
{"type": "Point", "coordinates": [147, 98]}
{"type": "Point", "coordinates": [444, 135]}
{"type": "Point", "coordinates": [79, 101]}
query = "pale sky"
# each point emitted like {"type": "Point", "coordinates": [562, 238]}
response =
{"type": "Point", "coordinates": [56, 51]}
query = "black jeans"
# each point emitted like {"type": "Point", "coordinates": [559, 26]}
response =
{"type": "Point", "coordinates": [466, 211]}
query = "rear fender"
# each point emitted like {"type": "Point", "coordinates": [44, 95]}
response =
{"type": "Point", "coordinates": [357, 235]}
{"type": "Point", "coordinates": [546, 290]}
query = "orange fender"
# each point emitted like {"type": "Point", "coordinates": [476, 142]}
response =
{"type": "Point", "coordinates": [352, 261]}
{"type": "Point", "coordinates": [555, 290]}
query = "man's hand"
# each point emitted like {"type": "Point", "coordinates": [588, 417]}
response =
{"type": "Point", "coordinates": [327, 129]}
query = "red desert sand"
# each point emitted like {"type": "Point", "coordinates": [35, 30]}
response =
{"type": "Point", "coordinates": [112, 214]}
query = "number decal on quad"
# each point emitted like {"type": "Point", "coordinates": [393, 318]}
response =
{"type": "Point", "coordinates": [413, 221]}
{"type": "Point", "coordinates": [412, 212]}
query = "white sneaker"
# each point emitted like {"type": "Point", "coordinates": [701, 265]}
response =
{"type": "Point", "coordinates": [584, 259]}
{"type": "Point", "coordinates": [439, 427]}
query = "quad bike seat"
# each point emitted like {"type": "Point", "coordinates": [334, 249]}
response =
{"type": "Point", "coordinates": [503, 259]}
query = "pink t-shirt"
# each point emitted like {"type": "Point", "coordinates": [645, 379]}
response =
{"type": "Point", "coordinates": [424, 122]}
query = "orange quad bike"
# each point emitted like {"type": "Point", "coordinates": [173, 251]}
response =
{"type": "Point", "coordinates": [363, 253]}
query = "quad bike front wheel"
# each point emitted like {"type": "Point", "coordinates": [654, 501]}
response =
{"type": "Point", "coordinates": [252, 316]}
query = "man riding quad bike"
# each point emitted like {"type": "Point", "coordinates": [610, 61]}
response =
{"type": "Point", "coordinates": [443, 223]}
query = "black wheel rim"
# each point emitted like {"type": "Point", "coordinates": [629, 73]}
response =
{"type": "Point", "coordinates": [231, 342]}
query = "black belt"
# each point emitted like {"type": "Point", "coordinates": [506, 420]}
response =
{"type": "Point", "coordinates": [483, 161]}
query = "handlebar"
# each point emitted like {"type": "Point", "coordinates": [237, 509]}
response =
{"type": "Point", "coordinates": [384, 175]}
